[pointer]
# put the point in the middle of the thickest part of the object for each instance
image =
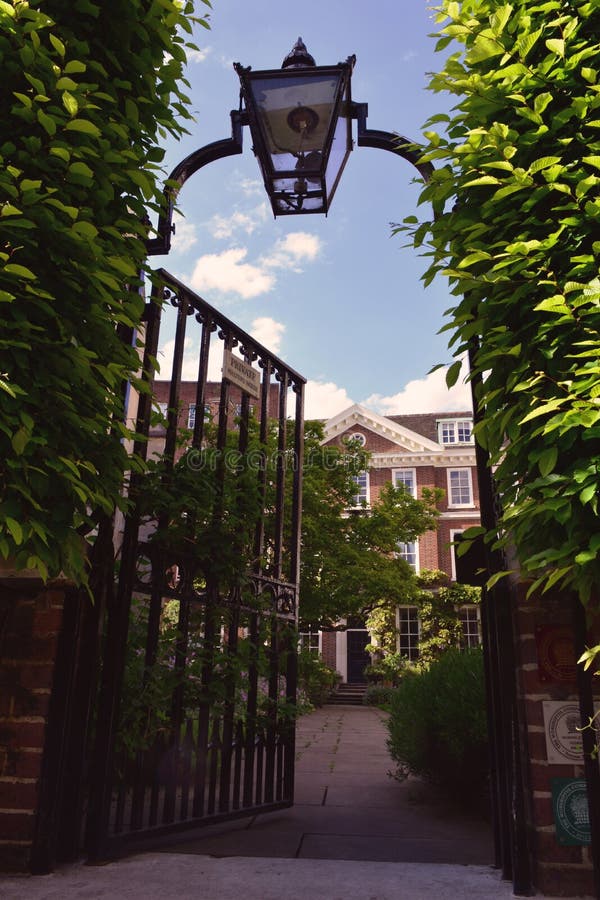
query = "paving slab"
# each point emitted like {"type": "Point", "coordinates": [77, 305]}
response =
{"type": "Point", "coordinates": [354, 833]}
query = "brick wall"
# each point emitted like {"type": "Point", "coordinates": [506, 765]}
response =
{"type": "Point", "coordinates": [558, 870]}
{"type": "Point", "coordinates": [31, 623]}
{"type": "Point", "coordinates": [328, 653]}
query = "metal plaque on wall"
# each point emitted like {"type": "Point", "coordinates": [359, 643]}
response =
{"type": "Point", "coordinates": [571, 811]}
{"type": "Point", "coordinates": [562, 725]}
{"type": "Point", "coordinates": [556, 653]}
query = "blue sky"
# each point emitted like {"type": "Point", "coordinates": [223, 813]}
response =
{"type": "Point", "coordinates": [337, 297]}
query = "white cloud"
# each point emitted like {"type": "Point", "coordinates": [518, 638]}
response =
{"type": "Point", "coordinates": [224, 227]}
{"type": "Point", "coordinates": [198, 56]}
{"type": "Point", "coordinates": [294, 248]}
{"type": "Point", "coordinates": [191, 355]}
{"type": "Point", "coordinates": [227, 272]}
{"type": "Point", "coordinates": [408, 55]}
{"type": "Point", "coordinates": [268, 332]}
{"type": "Point", "coordinates": [324, 399]}
{"type": "Point", "coordinates": [429, 394]}
{"type": "Point", "coordinates": [184, 236]}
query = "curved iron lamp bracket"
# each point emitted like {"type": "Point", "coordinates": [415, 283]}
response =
{"type": "Point", "coordinates": [231, 146]}
{"type": "Point", "coordinates": [366, 137]}
{"type": "Point", "coordinates": [387, 140]}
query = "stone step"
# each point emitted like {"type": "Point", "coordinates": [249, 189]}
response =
{"type": "Point", "coordinates": [348, 694]}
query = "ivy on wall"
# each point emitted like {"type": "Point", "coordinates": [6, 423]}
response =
{"type": "Point", "coordinates": [516, 192]}
{"type": "Point", "coordinates": [90, 89]}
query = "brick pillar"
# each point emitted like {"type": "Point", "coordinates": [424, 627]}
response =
{"type": "Point", "coordinates": [30, 624]}
{"type": "Point", "coordinates": [328, 651]}
{"type": "Point", "coordinates": [558, 870]}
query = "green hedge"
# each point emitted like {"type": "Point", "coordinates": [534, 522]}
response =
{"type": "Point", "coordinates": [437, 722]}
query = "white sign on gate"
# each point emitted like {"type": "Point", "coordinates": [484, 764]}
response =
{"type": "Point", "coordinates": [241, 374]}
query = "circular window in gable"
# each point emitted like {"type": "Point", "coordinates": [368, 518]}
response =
{"type": "Point", "coordinates": [359, 438]}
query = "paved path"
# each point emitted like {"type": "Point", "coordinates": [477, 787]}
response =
{"type": "Point", "coordinates": [354, 833]}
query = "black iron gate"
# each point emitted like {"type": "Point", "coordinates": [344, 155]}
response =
{"type": "Point", "coordinates": [195, 719]}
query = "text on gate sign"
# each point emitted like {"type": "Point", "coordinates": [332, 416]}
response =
{"type": "Point", "coordinates": [241, 374]}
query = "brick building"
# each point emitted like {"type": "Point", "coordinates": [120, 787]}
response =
{"type": "Point", "coordinates": [427, 450]}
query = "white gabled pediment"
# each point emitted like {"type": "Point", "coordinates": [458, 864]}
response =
{"type": "Point", "coordinates": [359, 415]}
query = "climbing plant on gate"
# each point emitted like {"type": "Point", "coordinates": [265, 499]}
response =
{"type": "Point", "coordinates": [516, 193]}
{"type": "Point", "coordinates": [89, 91]}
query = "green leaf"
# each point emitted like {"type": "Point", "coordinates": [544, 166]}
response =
{"type": "Point", "coordinates": [57, 44]}
{"type": "Point", "coordinates": [453, 373]}
{"type": "Point", "coordinates": [81, 169]}
{"type": "Point", "coordinates": [557, 46]}
{"type": "Point", "coordinates": [86, 229]}
{"type": "Point", "coordinates": [19, 271]}
{"type": "Point", "coordinates": [15, 530]}
{"type": "Point", "coordinates": [84, 126]}
{"type": "Point", "coordinates": [47, 122]}
{"type": "Point", "coordinates": [69, 103]}
{"type": "Point", "coordinates": [74, 65]}
{"type": "Point", "coordinates": [19, 440]}
{"type": "Point", "coordinates": [547, 461]}
{"type": "Point", "coordinates": [543, 163]}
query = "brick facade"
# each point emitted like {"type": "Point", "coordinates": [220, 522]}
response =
{"type": "Point", "coordinates": [31, 624]}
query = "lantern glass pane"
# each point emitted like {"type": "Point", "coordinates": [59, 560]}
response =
{"type": "Point", "coordinates": [294, 114]}
{"type": "Point", "coordinates": [340, 149]}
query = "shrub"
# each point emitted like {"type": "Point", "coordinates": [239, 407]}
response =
{"type": "Point", "coordinates": [315, 679]}
{"type": "Point", "coordinates": [437, 723]}
{"type": "Point", "coordinates": [378, 695]}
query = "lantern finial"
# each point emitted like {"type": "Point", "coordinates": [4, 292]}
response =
{"type": "Point", "coordinates": [298, 57]}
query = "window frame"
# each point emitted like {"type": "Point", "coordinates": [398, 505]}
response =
{"type": "Point", "coordinates": [413, 489]}
{"type": "Point", "coordinates": [465, 640]}
{"type": "Point", "coordinates": [412, 640]}
{"type": "Point", "coordinates": [367, 490]}
{"type": "Point", "coordinates": [456, 425]}
{"type": "Point", "coordinates": [471, 501]}
{"type": "Point", "coordinates": [416, 567]}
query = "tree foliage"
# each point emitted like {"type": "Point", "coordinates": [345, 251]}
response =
{"type": "Point", "coordinates": [350, 562]}
{"type": "Point", "coordinates": [517, 206]}
{"type": "Point", "coordinates": [89, 90]}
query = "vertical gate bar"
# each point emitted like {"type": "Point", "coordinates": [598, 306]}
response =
{"type": "Point", "coordinates": [186, 770]}
{"type": "Point", "coordinates": [229, 712]}
{"type": "Point", "coordinates": [156, 754]}
{"type": "Point", "coordinates": [214, 748]}
{"type": "Point", "coordinates": [251, 709]}
{"type": "Point", "coordinates": [171, 768]}
{"type": "Point", "coordinates": [101, 775]}
{"type": "Point", "coordinates": [200, 767]}
{"type": "Point", "coordinates": [298, 462]}
{"type": "Point", "coordinates": [260, 753]}
{"type": "Point", "coordinates": [588, 737]}
{"type": "Point", "coordinates": [207, 329]}
{"type": "Point", "coordinates": [120, 808]}
{"type": "Point", "coordinates": [290, 725]}
{"type": "Point", "coordinates": [280, 481]}
{"type": "Point", "coordinates": [204, 712]}
{"type": "Point", "coordinates": [138, 791]}
{"type": "Point", "coordinates": [271, 726]}
{"type": "Point", "coordinates": [265, 391]}
{"type": "Point", "coordinates": [181, 649]}
{"type": "Point", "coordinates": [237, 765]}
{"type": "Point", "coordinates": [228, 343]}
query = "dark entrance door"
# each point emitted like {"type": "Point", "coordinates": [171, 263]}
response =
{"type": "Point", "coordinates": [358, 658]}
